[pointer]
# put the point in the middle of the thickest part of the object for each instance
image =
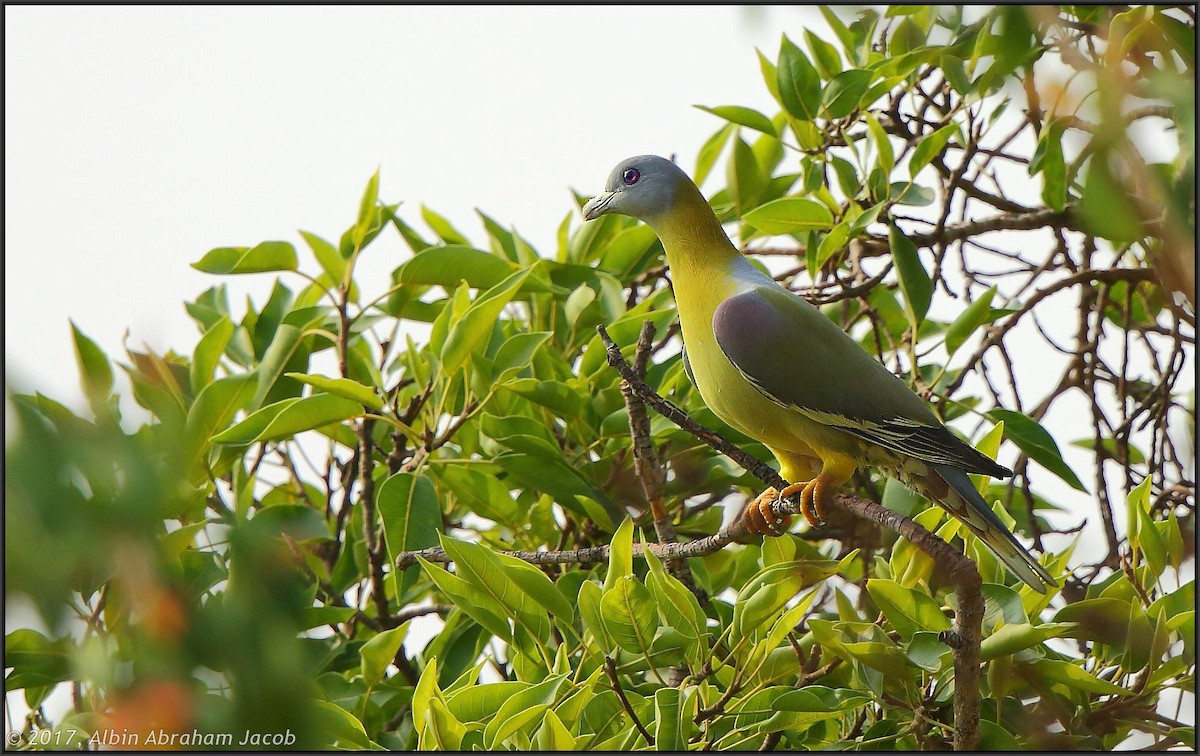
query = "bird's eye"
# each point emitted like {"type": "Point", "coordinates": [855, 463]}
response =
{"type": "Point", "coordinates": [630, 176]}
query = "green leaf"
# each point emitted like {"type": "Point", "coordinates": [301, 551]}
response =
{"type": "Point", "coordinates": [328, 257]}
{"type": "Point", "coordinates": [343, 387]}
{"type": "Point", "coordinates": [479, 703]}
{"type": "Point", "coordinates": [929, 148]}
{"type": "Point", "coordinates": [553, 735]}
{"type": "Point", "coordinates": [556, 396]}
{"type": "Point", "coordinates": [35, 660]}
{"type": "Point", "coordinates": [677, 605]}
{"type": "Point", "coordinates": [799, 84]}
{"type": "Point", "coordinates": [207, 354]}
{"type": "Point", "coordinates": [367, 207]}
{"type": "Point", "coordinates": [977, 314]}
{"type": "Point", "coordinates": [908, 193]}
{"type": "Point", "coordinates": [262, 258]}
{"type": "Point", "coordinates": [824, 55]}
{"type": "Point", "coordinates": [343, 728]}
{"type": "Point", "coordinates": [289, 417]}
{"type": "Point", "coordinates": [1031, 438]}
{"type": "Point", "coordinates": [768, 592]}
{"type": "Point", "coordinates": [516, 352]}
{"type": "Point", "coordinates": [907, 610]}
{"type": "Point", "coordinates": [590, 596]}
{"type": "Point", "coordinates": [482, 568]}
{"type": "Point", "coordinates": [746, 182]}
{"type": "Point", "coordinates": [1105, 207]}
{"type": "Point", "coordinates": [844, 92]}
{"type": "Point", "coordinates": [412, 520]}
{"type": "Point", "coordinates": [1010, 639]}
{"type": "Point", "coordinates": [476, 604]}
{"type": "Point", "coordinates": [477, 322]}
{"type": "Point", "coordinates": [379, 652]}
{"type": "Point", "coordinates": [285, 346]}
{"type": "Point", "coordinates": [450, 265]}
{"type": "Point", "coordinates": [296, 521]}
{"type": "Point", "coordinates": [620, 554]}
{"type": "Point", "coordinates": [443, 732]}
{"type": "Point", "coordinates": [915, 283]}
{"type": "Point", "coordinates": [443, 228]}
{"type": "Point", "coordinates": [630, 615]}
{"type": "Point", "coordinates": [537, 586]}
{"type": "Point", "coordinates": [512, 715]}
{"type": "Point", "coordinates": [213, 410]}
{"type": "Point", "coordinates": [94, 367]}
{"type": "Point", "coordinates": [707, 156]}
{"type": "Point", "coordinates": [789, 215]}
{"type": "Point", "coordinates": [747, 117]}
{"type": "Point", "coordinates": [1048, 160]}
{"type": "Point", "coordinates": [670, 724]}
{"type": "Point", "coordinates": [1075, 677]}
{"type": "Point", "coordinates": [1110, 447]}
{"type": "Point", "coordinates": [883, 148]}
{"type": "Point", "coordinates": [833, 243]}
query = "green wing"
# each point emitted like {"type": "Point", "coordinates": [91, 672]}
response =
{"type": "Point", "coordinates": [799, 359]}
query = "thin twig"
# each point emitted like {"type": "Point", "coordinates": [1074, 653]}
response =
{"type": "Point", "coordinates": [610, 668]}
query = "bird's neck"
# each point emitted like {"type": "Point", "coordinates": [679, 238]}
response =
{"type": "Point", "coordinates": [696, 245]}
{"type": "Point", "coordinates": [706, 269]}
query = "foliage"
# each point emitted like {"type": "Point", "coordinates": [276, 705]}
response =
{"type": "Point", "coordinates": [229, 566]}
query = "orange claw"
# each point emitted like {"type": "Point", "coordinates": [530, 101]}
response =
{"type": "Point", "coordinates": [760, 518]}
{"type": "Point", "coordinates": [814, 498]}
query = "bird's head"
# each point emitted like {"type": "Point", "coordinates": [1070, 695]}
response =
{"type": "Point", "coordinates": [645, 187]}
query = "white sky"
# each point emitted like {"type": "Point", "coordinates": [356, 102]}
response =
{"type": "Point", "coordinates": [136, 139]}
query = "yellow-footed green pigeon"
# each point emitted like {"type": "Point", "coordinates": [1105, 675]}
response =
{"type": "Point", "coordinates": [769, 364]}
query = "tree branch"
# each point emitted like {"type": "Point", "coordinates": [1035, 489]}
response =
{"type": "Point", "coordinates": [968, 614]}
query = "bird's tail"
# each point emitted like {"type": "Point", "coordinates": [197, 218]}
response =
{"type": "Point", "coordinates": [970, 507]}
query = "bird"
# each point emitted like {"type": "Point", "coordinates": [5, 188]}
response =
{"type": "Point", "coordinates": [768, 363]}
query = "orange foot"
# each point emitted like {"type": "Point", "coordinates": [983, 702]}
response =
{"type": "Point", "coordinates": [759, 517]}
{"type": "Point", "coordinates": [814, 500]}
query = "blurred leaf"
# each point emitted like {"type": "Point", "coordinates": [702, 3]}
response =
{"type": "Point", "coordinates": [289, 417]}
{"type": "Point", "coordinates": [929, 148]}
{"type": "Point", "coordinates": [327, 255]}
{"type": "Point", "coordinates": [449, 265]}
{"type": "Point", "coordinates": [789, 215]}
{"type": "Point", "coordinates": [1075, 677]}
{"type": "Point", "coordinates": [1035, 441]}
{"type": "Point", "coordinates": [799, 85]}
{"type": "Point", "coordinates": [343, 387]}
{"type": "Point", "coordinates": [1010, 639]}
{"type": "Point", "coordinates": [263, 257]}
{"type": "Point", "coordinates": [844, 92]}
{"type": "Point", "coordinates": [747, 117]}
{"type": "Point", "coordinates": [207, 354]}
{"type": "Point", "coordinates": [975, 315]}
{"type": "Point", "coordinates": [824, 55]}
{"type": "Point", "coordinates": [1104, 207]}
{"type": "Point", "coordinates": [915, 283]}
{"type": "Point", "coordinates": [379, 652]}
{"type": "Point", "coordinates": [94, 367]}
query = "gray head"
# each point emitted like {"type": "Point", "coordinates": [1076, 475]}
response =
{"type": "Point", "coordinates": [645, 187]}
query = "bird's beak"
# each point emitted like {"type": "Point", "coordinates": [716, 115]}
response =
{"type": "Point", "coordinates": [597, 205]}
